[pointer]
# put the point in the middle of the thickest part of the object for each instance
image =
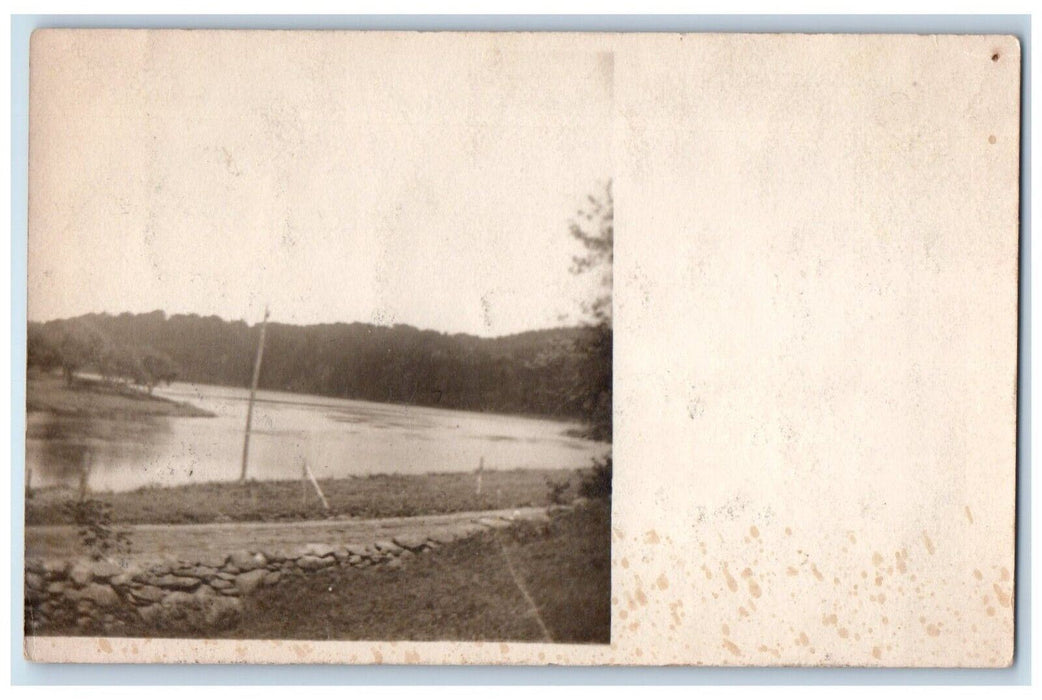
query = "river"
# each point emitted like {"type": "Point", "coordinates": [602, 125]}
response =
{"type": "Point", "coordinates": [337, 438]}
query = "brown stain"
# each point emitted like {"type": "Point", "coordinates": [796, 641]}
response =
{"type": "Point", "coordinates": [843, 632]}
{"type": "Point", "coordinates": [725, 630]}
{"type": "Point", "coordinates": [827, 620]}
{"type": "Point", "coordinates": [817, 574]}
{"type": "Point", "coordinates": [662, 582]}
{"type": "Point", "coordinates": [1001, 596]}
{"type": "Point", "coordinates": [742, 612]}
{"type": "Point", "coordinates": [877, 559]}
{"type": "Point", "coordinates": [788, 531]}
{"type": "Point", "coordinates": [731, 583]}
{"type": "Point", "coordinates": [301, 650]}
{"type": "Point", "coordinates": [969, 515]}
{"type": "Point", "coordinates": [651, 537]}
{"type": "Point", "coordinates": [103, 645]}
{"type": "Point", "coordinates": [754, 589]}
{"type": "Point", "coordinates": [978, 575]}
{"type": "Point", "coordinates": [625, 563]}
{"type": "Point", "coordinates": [877, 652]}
{"type": "Point", "coordinates": [902, 561]}
{"type": "Point", "coordinates": [768, 650]}
{"type": "Point", "coordinates": [990, 611]}
{"type": "Point", "coordinates": [732, 647]}
{"type": "Point", "coordinates": [933, 630]}
{"type": "Point", "coordinates": [504, 649]}
{"type": "Point", "coordinates": [674, 610]}
{"type": "Point", "coordinates": [708, 573]}
{"type": "Point", "coordinates": [803, 639]}
{"type": "Point", "coordinates": [1004, 574]}
{"type": "Point", "coordinates": [853, 539]}
{"type": "Point", "coordinates": [623, 614]}
{"type": "Point", "coordinates": [791, 571]}
{"type": "Point", "coordinates": [991, 140]}
{"type": "Point", "coordinates": [754, 532]}
{"type": "Point", "coordinates": [641, 598]}
{"type": "Point", "coordinates": [378, 658]}
{"type": "Point", "coordinates": [928, 542]}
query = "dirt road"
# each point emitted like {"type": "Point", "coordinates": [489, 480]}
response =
{"type": "Point", "coordinates": [188, 542]}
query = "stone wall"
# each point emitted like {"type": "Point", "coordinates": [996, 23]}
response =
{"type": "Point", "coordinates": [105, 591]}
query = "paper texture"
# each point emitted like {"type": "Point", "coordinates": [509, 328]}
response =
{"type": "Point", "coordinates": [815, 303]}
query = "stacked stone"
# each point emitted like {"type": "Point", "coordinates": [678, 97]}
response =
{"type": "Point", "coordinates": [215, 583]}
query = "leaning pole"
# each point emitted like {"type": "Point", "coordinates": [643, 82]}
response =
{"type": "Point", "coordinates": [253, 392]}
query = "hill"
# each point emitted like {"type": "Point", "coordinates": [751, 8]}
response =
{"type": "Point", "coordinates": [560, 372]}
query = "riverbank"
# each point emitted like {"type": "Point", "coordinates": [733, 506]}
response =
{"type": "Point", "coordinates": [91, 398]}
{"type": "Point", "coordinates": [375, 496]}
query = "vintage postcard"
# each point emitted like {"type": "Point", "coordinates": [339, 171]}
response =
{"type": "Point", "coordinates": [334, 357]}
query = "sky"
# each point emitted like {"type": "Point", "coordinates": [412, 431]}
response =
{"type": "Point", "coordinates": [407, 178]}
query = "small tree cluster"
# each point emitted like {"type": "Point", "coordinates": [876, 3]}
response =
{"type": "Point", "coordinates": [75, 347]}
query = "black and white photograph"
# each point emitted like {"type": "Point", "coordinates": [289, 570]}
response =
{"type": "Point", "coordinates": [332, 355]}
{"type": "Point", "coordinates": [319, 338]}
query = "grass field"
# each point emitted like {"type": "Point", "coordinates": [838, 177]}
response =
{"type": "Point", "coordinates": [377, 496]}
{"type": "Point", "coordinates": [462, 591]}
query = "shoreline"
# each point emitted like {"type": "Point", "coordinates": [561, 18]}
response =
{"type": "Point", "coordinates": [94, 398]}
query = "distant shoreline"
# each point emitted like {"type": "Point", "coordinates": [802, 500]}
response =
{"type": "Point", "coordinates": [94, 398]}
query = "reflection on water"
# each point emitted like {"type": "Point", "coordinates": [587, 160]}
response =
{"type": "Point", "coordinates": [337, 437]}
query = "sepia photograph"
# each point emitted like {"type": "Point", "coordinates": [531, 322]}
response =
{"type": "Point", "coordinates": [333, 356]}
{"type": "Point", "coordinates": [319, 338]}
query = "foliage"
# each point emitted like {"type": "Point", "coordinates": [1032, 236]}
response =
{"type": "Point", "coordinates": [534, 372]}
{"type": "Point", "coordinates": [157, 367]}
{"type": "Point", "coordinates": [97, 533]}
{"type": "Point", "coordinates": [591, 385]}
{"type": "Point", "coordinates": [594, 228]}
{"type": "Point", "coordinates": [597, 482]}
{"type": "Point", "coordinates": [82, 344]}
{"type": "Point", "coordinates": [556, 490]}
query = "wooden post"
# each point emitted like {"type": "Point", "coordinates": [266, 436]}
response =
{"type": "Point", "coordinates": [304, 484]}
{"type": "Point", "coordinates": [253, 392]}
{"type": "Point", "coordinates": [88, 461]}
{"type": "Point", "coordinates": [314, 482]}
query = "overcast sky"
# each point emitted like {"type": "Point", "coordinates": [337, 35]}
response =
{"type": "Point", "coordinates": [419, 179]}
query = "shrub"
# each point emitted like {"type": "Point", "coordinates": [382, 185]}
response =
{"type": "Point", "coordinates": [98, 535]}
{"type": "Point", "coordinates": [556, 491]}
{"type": "Point", "coordinates": [597, 482]}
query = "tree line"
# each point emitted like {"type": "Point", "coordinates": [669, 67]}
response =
{"type": "Point", "coordinates": [547, 372]}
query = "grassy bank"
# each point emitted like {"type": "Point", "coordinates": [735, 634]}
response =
{"type": "Point", "coordinates": [377, 496]}
{"type": "Point", "coordinates": [90, 398]}
{"type": "Point", "coordinates": [462, 591]}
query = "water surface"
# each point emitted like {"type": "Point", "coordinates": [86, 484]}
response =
{"type": "Point", "coordinates": [337, 438]}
